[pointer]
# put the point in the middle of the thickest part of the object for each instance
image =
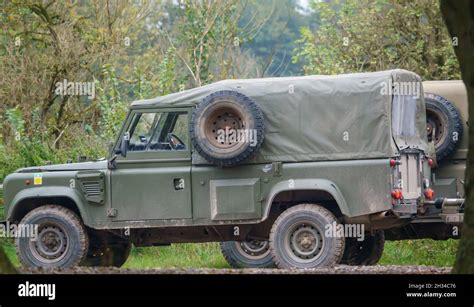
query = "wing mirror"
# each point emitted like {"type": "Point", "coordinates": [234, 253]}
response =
{"type": "Point", "coordinates": [124, 145]}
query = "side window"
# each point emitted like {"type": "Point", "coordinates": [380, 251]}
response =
{"type": "Point", "coordinates": [141, 130]}
{"type": "Point", "coordinates": [180, 130]}
{"type": "Point", "coordinates": [159, 131]}
{"type": "Point", "coordinates": [404, 115]}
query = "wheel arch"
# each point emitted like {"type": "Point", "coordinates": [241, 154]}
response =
{"type": "Point", "coordinates": [316, 188]}
{"type": "Point", "coordinates": [30, 199]}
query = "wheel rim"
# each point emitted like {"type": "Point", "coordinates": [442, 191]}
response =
{"type": "Point", "coordinates": [228, 120]}
{"type": "Point", "coordinates": [304, 242]}
{"type": "Point", "coordinates": [435, 127]}
{"type": "Point", "coordinates": [254, 249]}
{"type": "Point", "coordinates": [51, 244]}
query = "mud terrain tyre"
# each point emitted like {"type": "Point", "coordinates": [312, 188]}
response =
{"type": "Point", "coordinates": [106, 250]}
{"type": "Point", "coordinates": [61, 241]}
{"type": "Point", "coordinates": [249, 254]}
{"type": "Point", "coordinates": [221, 127]}
{"type": "Point", "coordinates": [367, 252]}
{"type": "Point", "coordinates": [444, 125]}
{"type": "Point", "coordinates": [298, 239]}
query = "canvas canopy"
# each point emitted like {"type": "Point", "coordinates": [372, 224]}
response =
{"type": "Point", "coordinates": [311, 118]}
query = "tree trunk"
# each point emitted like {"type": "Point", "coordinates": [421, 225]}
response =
{"type": "Point", "coordinates": [459, 18]}
{"type": "Point", "coordinates": [6, 267]}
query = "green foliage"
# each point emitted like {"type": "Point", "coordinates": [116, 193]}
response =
{"type": "Point", "coordinates": [166, 72]}
{"type": "Point", "coordinates": [27, 152]}
{"type": "Point", "coordinates": [273, 42]}
{"type": "Point", "coordinates": [376, 35]}
{"type": "Point", "coordinates": [14, 117]}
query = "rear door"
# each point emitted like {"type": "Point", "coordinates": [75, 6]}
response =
{"type": "Point", "coordinates": [409, 132]}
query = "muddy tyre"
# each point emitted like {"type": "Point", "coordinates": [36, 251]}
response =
{"type": "Point", "coordinates": [249, 254]}
{"type": "Point", "coordinates": [367, 252]}
{"type": "Point", "coordinates": [106, 250]}
{"type": "Point", "coordinates": [61, 241]}
{"type": "Point", "coordinates": [227, 128]}
{"type": "Point", "coordinates": [298, 239]}
{"type": "Point", "coordinates": [444, 125]}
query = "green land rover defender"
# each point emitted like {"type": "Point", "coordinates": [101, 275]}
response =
{"type": "Point", "coordinates": [298, 172]}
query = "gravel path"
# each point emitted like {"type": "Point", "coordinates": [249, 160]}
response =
{"type": "Point", "coordinates": [342, 269]}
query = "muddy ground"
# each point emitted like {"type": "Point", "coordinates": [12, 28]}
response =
{"type": "Point", "coordinates": [342, 269]}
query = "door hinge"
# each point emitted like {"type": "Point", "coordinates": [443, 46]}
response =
{"type": "Point", "coordinates": [112, 212]}
{"type": "Point", "coordinates": [276, 166]}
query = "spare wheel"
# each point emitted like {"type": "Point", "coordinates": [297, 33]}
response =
{"type": "Point", "coordinates": [227, 128]}
{"type": "Point", "coordinates": [443, 124]}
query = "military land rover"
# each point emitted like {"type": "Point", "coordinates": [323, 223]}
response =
{"type": "Point", "coordinates": [446, 124]}
{"type": "Point", "coordinates": [278, 170]}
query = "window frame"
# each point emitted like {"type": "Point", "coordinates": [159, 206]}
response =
{"type": "Point", "coordinates": [136, 156]}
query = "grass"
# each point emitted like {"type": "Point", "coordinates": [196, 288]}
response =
{"type": "Point", "coordinates": [420, 252]}
{"type": "Point", "coordinates": [202, 255]}
{"type": "Point", "coordinates": [413, 252]}
{"type": "Point", "coordinates": [199, 255]}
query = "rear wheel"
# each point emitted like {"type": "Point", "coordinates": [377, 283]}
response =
{"type": "Point", "coordinates": [61, 241]}
{"type": "Point", "coordinates": [247, 254]}
{"type": "Point", "coordinates": [106, 250]}
{"type": "Point", "coordinates": [367, 252]}
{"type": "Point", "coordinates": [298, 240]}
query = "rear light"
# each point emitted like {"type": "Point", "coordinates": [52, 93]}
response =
{"type": "Point", "coordinates": [397, 194]}
{"type": "Point", "coordinates": [430, 162]}
{"type": "Point", "coordinates": [394, 162]}
{"type": "Point", "coordinates": [429, 194]}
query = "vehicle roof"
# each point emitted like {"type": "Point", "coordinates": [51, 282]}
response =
{"type": "Point", "coordinates": [306, 118]}
{"type": "Point", "coordinates": [189, 96]}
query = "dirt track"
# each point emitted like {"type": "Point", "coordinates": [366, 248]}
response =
{"type": "Point", "coordinates": [343, 269]}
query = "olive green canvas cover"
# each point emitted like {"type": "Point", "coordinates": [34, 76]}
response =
{"type": "Point", "coordinates": [314, 118]}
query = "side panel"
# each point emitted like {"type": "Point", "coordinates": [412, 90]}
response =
{"type": "Point", "coordinates": [361, 186]}
{"type": "Point", "coordinates": [235, 199]}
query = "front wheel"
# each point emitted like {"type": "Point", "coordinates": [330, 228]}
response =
{"type": "Point", "coordinates": [61, 240]}
{"type": "Point", "coordinates": [298, 238]}
{"type": "Point", "coordinates": [247, 254]}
